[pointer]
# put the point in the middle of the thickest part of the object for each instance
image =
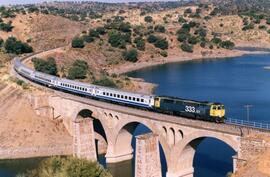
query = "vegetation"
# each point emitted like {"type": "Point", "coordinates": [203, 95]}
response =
{"type": "Point", "coordinates": [160, 28]}
{"type": "Point", "coordinates": [46, 66]}
{"type": "Point", "coordinates": [227, 44]}
{"type": "Point", "coordinates": [7, 27]}
{"type": "Point", "coordinates": [78, 70]}
{"type": "Point", "coordinates": [148, 19]}
{"type": "Point", "coordinates": [68, 167]}
{"type": "Point", "coordinates": [77, 43]}
{"type": "Point", "coordinates": [116, 39]}
{"type": "Point", "coordinates": [162, 44]}
{"type": "Point", "coordinates": [12, 45]}
{"type": "Point", "coordinates": [131, 55]}
{"type": "Point", "coordinates": [140, 43]}
{"type": "Point", "coordinates": [186, 47]}
{"type": "Point", "coordinates": [105, 81]}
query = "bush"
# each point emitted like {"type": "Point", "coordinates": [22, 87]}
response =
{"type": "Point", "coordinates": [140, 43]}
{"type": "Point", "coordinates": [268, 31]}
{"type": "Point", "coordinates": [186, 48]}
{"type": "Point", "coordinates": [227, 44]}
{"type": "Point", "coordinates": [268, 21]}
{"type": "Point", "coordinates": [152, 38]}
{"type": "Point", "coordinates": [182, 37]}
{"type": "Point", "coordinates": [262, 27]}
{"type": "Point", "coordinates": [181, 19]}
{"type": "Point", "coordinates": [77, 42]}
{"type": "Point", "coordinates": [125, 27]}
{"type": "Point", "coordinates": [148, 19]}
{"type": "Point", "coordinates": [188, 11]}
{"type": "Point", "coordinates": [201, 32]}
{"type": "Point", "coordinates": [93, 33]}
{"type": "Point", "coordinates": [131, 55]}
{"type": "Point", "coordinates": [248, 27]}
{"type": "Point", "coordinates": [106, 82]}
{"type": "Point", "coordinates": [7, 27]}
{"type": "Point", "coordinates": [159, 28]}
{"type": "Point", "coordinates": [192, 40]}
{"type": "Point", "coordinates": [162, 44]}
{"type": "Point", "coordinates": [1, 42]}
{"type": "Point", "coordinates": [101, 30]}
{"type": "Point", "coordinates": [88, 38]}
{"type": "Point", "coordinates": [216, 40]}
{"type": "Point", "coordinates": [68, 167]}
{"type": "Point", "coordinates": [78, 70]}
{"type": "Point", "coordinates": [12, 45]}
{"type": "Point", "coordinates": [116, 39]}
{"type": "Point", "coordinates": [164, 53]}
{"type": "Point", "coordinates": [20, 82]}
{"type": "Point", "coordinates": [46, 66]}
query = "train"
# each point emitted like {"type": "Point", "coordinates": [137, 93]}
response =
{"type": "Point", "coordinates": [201, 110]}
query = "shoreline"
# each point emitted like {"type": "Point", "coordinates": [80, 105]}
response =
{"type": "Point", "coordinates": [129, 67]}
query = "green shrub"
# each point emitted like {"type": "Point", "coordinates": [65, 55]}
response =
{"type": "Point", "coordinates": [1, 42]}
{"type": "Point", "coordinates": [77, 42]}
{"type": "Point", "coordinates": [162, 44]}
{"type": "Point", "coordinates": [93, 33]}
{"type": "Point", "coordinates": [88, 38]}
{"type": "Point", "coordinates": [227, 44]}
{"type": "Point", "coordinates": [248, 27]}
{"type": "Point", "coordinates": [68, 167]}
{"type": "Point", "coordinates": [188, 11]}
{"type": "Point", "coordinates": [192, 40]}
{"type": "Point", "coordinates": [106, 82]}
{"type": "Point", "coordinates": [125, 27]}
{"type": "Point", "coordinates": [140, 43]}
{"type": "Point", "coordinates": [186, 47]}
{"type": "Point", "coordinates": [116, 39]}
{"type": "Point", "coordinates": [268, 21]}
{"type": "Point", "coordinates": [164, 53]}
{"type": "Point", "coordinates": [268, 31]}
{"type": "Point", "coordinates": [203, 44]}
{"type": "Point", "coordinates": [152, 38]}
{"type": "Point", "coordinates": [131, 55]}
{"type": "Point", "coordinates": [216, 40]}
{"type": "Point", "coordinates": [182, 37]}
{"type": "Point", "coordinates": [262, 27]}
{"type": "Point", "coordinates": [7, 27]}
{"type": "Point", "coordinates": [148, 19]}
{"type": "Point", "coordinates": [78, 70]}
{"type": "Point", "coordinates": [181, 19]}
{"type": "Point", "coordinates": [46, 66]}
{"type": "Point", "coordinates": [160, 29]}
{"type": "Point", "coordinates": [12, 45]}
{"type": "Point", "coordinates": [19, 82]}
{"type": "Point", "coordinates": [101, 30]}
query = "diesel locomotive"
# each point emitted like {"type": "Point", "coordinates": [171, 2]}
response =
{"type": "Point", "coordinates": [207, 111]}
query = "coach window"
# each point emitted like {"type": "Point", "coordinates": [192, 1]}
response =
{"type": "Point", "coordinates": [142, 100]}
{"type": "Point", "coordinates": [114, 95]}
{"type": "Point", "coordinates": [138, 99]}
{"type": "Point", "coordinates": [126, 97]}
{"type": "Point", "coordinates": [129, 98]}
{"type": "Point", "coordinates": [133, 98]}
{"type": "Point", "coordinates": [110, 94]}
{"type": "Point", "coordinates": [118, 96]}
{"type": "Point", "coordinates": [122, 96]}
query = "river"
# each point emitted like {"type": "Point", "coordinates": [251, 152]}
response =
{"type": "Point", "coordinates": [236, 82]}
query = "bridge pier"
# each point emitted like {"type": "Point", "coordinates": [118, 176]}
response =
{"type": "Point", "coordinates": [119, 156]}
{"type": "Point", "coordinates": [183, 173]}
{"type": "Point", "coordinates": [147, 156]}
{"type": "Point", "coordinates": [84, 139]}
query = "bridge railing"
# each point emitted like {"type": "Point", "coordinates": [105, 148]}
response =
{"type": "Point", "coordinates": [245, 123]}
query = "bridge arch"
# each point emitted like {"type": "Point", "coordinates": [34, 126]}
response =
{"type": "Point", "coordinates": [184, 151]}
{"type": "Point", "coordinates": [124, 132]}
{"type": "Point", "coordinates": [101, 133]}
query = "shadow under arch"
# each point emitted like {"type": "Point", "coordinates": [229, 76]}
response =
{"type": "Point", "coordinates": [100, 135]}
{"type": "Point", "coordinates": [187, 150]}
{"type": "Point", "coordinates": [126, 141]}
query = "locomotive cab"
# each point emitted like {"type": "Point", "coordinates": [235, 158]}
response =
{"type": "Point", "coordinates": [217, 111]}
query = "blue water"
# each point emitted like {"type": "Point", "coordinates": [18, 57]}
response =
{"type": "Point", "coordinates": [235, 82]}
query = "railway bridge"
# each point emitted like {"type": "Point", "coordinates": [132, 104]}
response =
{"type": "Point", "coordinates": [93, 123]}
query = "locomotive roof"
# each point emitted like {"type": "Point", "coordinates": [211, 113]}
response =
{"type": "Point", "coordinates": [187, 100]}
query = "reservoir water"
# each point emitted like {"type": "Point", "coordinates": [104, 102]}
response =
{"type": "Point", "coordinates": [236, 82]}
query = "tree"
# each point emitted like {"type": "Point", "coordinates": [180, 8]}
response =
{"type": "Point", "coordinates": [227, 44]}
{"type": "Point", "coordinates": [1, 42]}
{"type": "Point", "coordinates": [7, 27]}
{"type": "Point", "coordinates": [181, 19]}
{"type": "Point", "coordinates": [77, 43]}
{"type": "Point", "coordinates": [93, 33]}
{"type": "Point", "coordinates": [78, 70]}
{"type": "Point", "coordinates": [101, 30]}
{"type": "Point", "coordinates": [160, 28]}
{"type": "Point", "coordinates": [148, 19]}
{"type": "Point", "coordinates": [152, 38]}
{"type": "Point", "coordinates": [182, 37]}
{"type": "Point", "coordinates": [162, 44]}
{"type": "Point", "coordinates": [140, 43]}
{"type": "Point", "coordinates": [68, 167]}
{"type": "Point", "coordinates": [88, 38]}
{"type": "Point", "coordinates": [105, 81]}
{"type": "Point", "coordinates": [216, 40]}
{"type": "Point", "coordinates": [125, 27]}
{"type": "Point", "coordinates": [46, 66]}
{"type": "Point", "coordinates": [268, 21]}
{"type": "Point", "coordinates": [188, 11]}
{"type": "Point", "coordinates": [12, 45]}
{"type": "Point", "coordinates": [186, 48]}
{"type": "Point", "coordinates": [131, 55]}
{"type": "Point", "coordinates": [192, 40]}
{"type": "Point", "coordinates": [116, 39]}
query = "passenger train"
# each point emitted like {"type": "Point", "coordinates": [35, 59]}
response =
{"type": "Point", "coordinates": [214, 112]}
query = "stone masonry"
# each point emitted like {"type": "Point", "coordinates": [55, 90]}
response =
{"type": "Point", "coordinates": [147, 156]}
{"type": "Point", "coordinates": [83, 139]}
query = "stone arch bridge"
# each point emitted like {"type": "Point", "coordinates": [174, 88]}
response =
{"type": "Point", "coordinates": [92, 123]}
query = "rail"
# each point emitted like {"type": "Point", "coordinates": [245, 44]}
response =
{"type": "Point", "coordinates": [251, 124]}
